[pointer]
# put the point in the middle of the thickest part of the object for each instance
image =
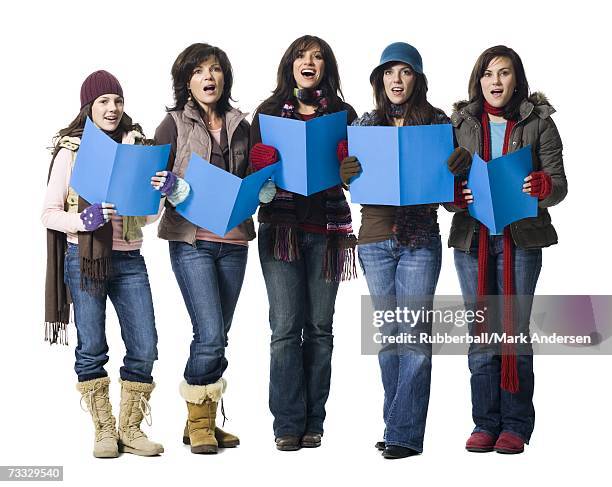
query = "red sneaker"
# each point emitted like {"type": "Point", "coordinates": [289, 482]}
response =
{"type": "Point", "coordinates": [480, 442]}
{"type": "Point", "coordinates": [509, 443]}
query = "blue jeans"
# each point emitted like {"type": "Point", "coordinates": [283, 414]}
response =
{"type": "Point", "coordinates": [210, 276]}
{"type": "Point", "coordinates": [400, 276]}
{"type": "Point", "coordinates": [301, 317]}
{"type": "Point", "coordinates": [495, 410]}
{"type": "Point", "coordinates": [129, 291]}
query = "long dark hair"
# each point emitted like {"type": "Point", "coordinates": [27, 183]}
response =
{"type": "Point", "coordinates": [521, 92]}
{"type": "Point", "coordinates": [182, 71]}
{"type": "Point", "coordinates": [285, 83]}
{"type": "Point", "coordinates": [417, 110]}
{"type": "Point", "coordinates": [76, 127]}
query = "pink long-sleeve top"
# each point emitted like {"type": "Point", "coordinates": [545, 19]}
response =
{"type": "Point", "coordinates": [55, 217]}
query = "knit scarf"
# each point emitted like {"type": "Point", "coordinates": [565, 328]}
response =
{"type": "Point", "coordinates": [397, 111]}
{"type": "Point", "coordinates": [509, 372]}
{"type": "Point", "coordinates": [307, 96]}
{"type": "Point", "coordinates": [339, 262]}
{"type": "Point", "coordinates": [95, 251]}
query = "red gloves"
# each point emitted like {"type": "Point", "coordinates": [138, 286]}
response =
{"type": "Point", "coordinates": [262, 155]}
{"type": "Point", "coordinates": [541, 184]}
{"type": "Point", "coordinates": [342, 150]}
{"type": "Point", "coordinates": [459, 196]}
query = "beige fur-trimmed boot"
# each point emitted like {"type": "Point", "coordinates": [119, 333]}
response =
{"type": "Point", "coordinates": [95, 395]}
{"type": "Point", "coordinates": [201, 415]}
{"type": "Point", "coordinates": [134, 408]}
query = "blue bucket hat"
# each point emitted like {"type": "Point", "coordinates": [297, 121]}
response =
{"type": "Point", "coordinates": [400, 52]}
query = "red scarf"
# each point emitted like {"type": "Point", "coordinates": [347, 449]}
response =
{"type": "Point", "coordinates": [509, 372]}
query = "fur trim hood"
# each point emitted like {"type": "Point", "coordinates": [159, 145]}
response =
{"type": "Point", "coordinates": [537, 103]}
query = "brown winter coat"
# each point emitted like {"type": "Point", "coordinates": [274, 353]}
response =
{"type": "Point", "coordinates": [535, 128]}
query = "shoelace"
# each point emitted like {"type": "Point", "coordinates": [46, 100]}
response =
{"type": "Point", "coordinates": [223, 412]}
{"type": "Point", "coordinates": [107, 427]}
{"type": "Point", "coordinates": [145, 410]}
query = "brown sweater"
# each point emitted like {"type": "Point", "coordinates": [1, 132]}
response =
{"type": "Point", "coordinates": [376, 223]}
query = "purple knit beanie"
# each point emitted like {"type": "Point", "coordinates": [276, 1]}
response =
{"type": "Point", "coordinates": [99, 83]}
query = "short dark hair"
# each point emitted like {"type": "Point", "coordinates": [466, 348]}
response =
{"type": "Point", "coordinates": [521, 91]}
{"type": "Point", "coordinates": [182, 71]}
{"type": "Point", "coordinates": [285, 83]}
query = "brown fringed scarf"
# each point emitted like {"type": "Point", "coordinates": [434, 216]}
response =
{"type": "Point", "coordinates": [339, 263]}
{"type": "Point", "coordinates": [95, 251]}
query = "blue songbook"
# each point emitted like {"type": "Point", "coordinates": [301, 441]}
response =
{"type": "Point", "coordinates": [220, 200]}
{"type": "Point", "coordinates": [402, 165]}
{"type": "Point", "coordinates": [497, 187]}
{"type": "Point", "coordinates": [106, 171]}
{"type": "Point", "coordinates": [308, 160]}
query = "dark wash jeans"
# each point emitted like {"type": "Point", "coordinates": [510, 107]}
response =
{"type": "Point", "coordinates": [129, 291]}
{"type": "Point", "coordinates": [493, 409]}
{"type": "Point", "coordinates": [210, 276]}
{"type": "Point", "coordinates": [400, 276]}
{"type": "Point", "coordinates": [301, 316]}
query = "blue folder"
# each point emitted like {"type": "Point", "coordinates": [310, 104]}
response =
{"type": "Point", "coordinates": [220, 200]}
{"type": "Point", "coordinates": [402, 165]}
{"type": "Point", "coordinates": [106, 171]}
{"type": "Point", "coordinates": [497, 187]}
{"type": "Point", "coordinates": [308, 160]}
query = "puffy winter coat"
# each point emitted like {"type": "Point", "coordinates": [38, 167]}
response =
{"type": "Point", "coordinates": [535, 128]}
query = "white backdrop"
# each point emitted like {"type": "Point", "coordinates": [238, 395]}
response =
{"type": "Point", "coordinates": [49, 48]}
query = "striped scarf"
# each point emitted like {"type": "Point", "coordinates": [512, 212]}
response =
{"type": "Point", "coordinates": [339, 262]}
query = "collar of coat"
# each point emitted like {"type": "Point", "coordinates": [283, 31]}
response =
{"type": "Point", "coordinates": [536, 103]}
{"type": "Point", "coordinates": [233, 117]}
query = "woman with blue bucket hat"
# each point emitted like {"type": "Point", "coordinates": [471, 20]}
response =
{"type": "Point", "coordinates": [400, 251]}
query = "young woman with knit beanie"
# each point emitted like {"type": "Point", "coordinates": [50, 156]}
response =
{"type": "Point", "coordinates": [400, 251]}
{"type": "Point", "coordinates": [306, 248]}
{"type": "Point", "coordinates": [92, 254]}
{"type": "Point", "coordinates": [499, 118]}
{"type": "Point", "coordinates": [209, 268]}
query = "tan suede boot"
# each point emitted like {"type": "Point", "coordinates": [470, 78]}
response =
{"type": "Point", "coordinates": [224, 439]}
{"type": "Point", "coordinates": [134, 408]}
{"type": "Point", "coordinates": [202, 411]}
{"type": "Point", "coordinates": [95, 395]}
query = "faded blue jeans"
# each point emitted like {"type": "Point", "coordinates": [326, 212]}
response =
{"type": "Point", "coordinates": [210, 276]}
{"type": "Point", "coordinates": [129, 291]}
{"type": "Point", "coordinates": [301, 317]}
{"type": "Point", "coordinates": [495, 410]}
{"type": "Point", "coordinates": [400, 276]}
